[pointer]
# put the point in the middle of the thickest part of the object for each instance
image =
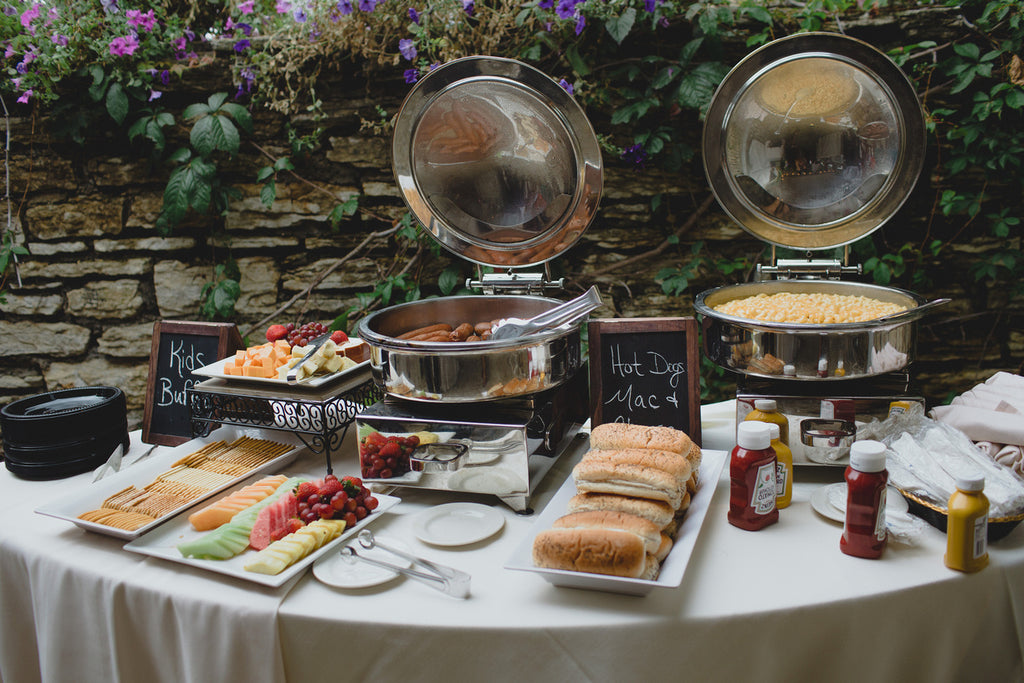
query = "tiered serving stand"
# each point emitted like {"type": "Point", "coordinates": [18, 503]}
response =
{"type": "Point", "coordinates": [320, 416]}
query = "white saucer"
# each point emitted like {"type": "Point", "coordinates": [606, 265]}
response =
{"type": "Point", "coordinates": [457, 524]}
{"type": "Point", "coordinates": [497, 481]}
{"type": "Point", "coordinates": [336, 570]}
{"type": "Point", "coordinates": [823, 497]}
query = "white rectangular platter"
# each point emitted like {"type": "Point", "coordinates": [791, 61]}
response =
{"type": "Point", "coordinates": [216, 371]}
{"type": "Point", "coordinates": [672, 568]}
{"type": "Point", "coordinates": [163, 543]}
{"type": "Point", "coordinates": [142, 473]}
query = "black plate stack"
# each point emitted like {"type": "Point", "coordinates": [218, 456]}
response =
{"type": "Point", "coordinates": [62, 433]}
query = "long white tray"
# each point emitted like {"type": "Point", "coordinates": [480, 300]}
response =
{"type": "Point", "coordinates": [163, 543]}
{"type": "Point", "coordinates": [673, 567]}
{"type": "Point", "coordinates": [142, 473]}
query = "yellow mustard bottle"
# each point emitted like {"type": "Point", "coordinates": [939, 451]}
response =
{"type": "Point", "coordinates": [967, 526]}
{"type": "Point", "coordinates": [766, 410]}
{"type": "Point", "coordinates": [783, 469]}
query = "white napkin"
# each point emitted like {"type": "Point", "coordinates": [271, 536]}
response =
{"type": "Point", "coordinates": [983, 424]}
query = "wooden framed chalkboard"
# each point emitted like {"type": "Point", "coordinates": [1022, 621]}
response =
{"type": "Point", "coordinates": [179, 347]}
{"type": "Point", "coordinates": [645, 371]}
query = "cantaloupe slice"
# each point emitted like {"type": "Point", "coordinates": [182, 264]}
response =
{"type": "Point", "coordinates": [221, 511]}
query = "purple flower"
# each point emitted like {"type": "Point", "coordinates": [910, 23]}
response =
{"type": "Point", "coordinates": [16, 82]}
{"type": "Point", "coordinates": [244, 28]}
{"type": "Point", "coordinates": [9, 51]}
{"type": "Point", "coordinates": [468, 6]}
{"type": "Point", "coordinates": [367, 5]}
{"type": "Point", "coordinates": [59, 39]}
{"type": "Point", "coordinates": [29, 15]}
{"type": "Point", "coordinates": [635, 155]}
{"type": "Point", "coordinates": [649, 5]}
{"type": "Point", "coordinates": [566, 86]}
{"type": "Point", "coordinates": [411, 75]}
{"type": "Point", "coordinates": [434, 65]}
{"type": "Point", "coordinates": [242, 45]}
{"type": "Point", "coordinates": [155, 95]}
{"type": "Point", "coordinates": [414, 15]}
{"type": "Point", "coordinates": [110, 6]}
{"type": "Point", "coordinates": [299, 15]}
{"type": "Point", "coordinates": [25, 96]}
{"type": "Point", "coordinates": [581, 23]}
{"type": "Point", "coordinates": [407, 48]}
{"type": "Point", "coordinates": [565, 9]}
{"type": "Point", "coordinates": [246, 7]}
{"type": "Point", "coordinates": [139, 20]}
{"type": "Point", "coordinates": [283, 6]}
{"type": "Point", "coordinates": [122, 46]}
{"type": "Point", "coordinates": [546, 4]}
{"type": "Point", "coordinates": [10, 10]}
{"type": "Point", "coordinates": [190, 35]}
{"type": "Point", "coordinates": [345, 6]}
{"type": "Point", "coordinates": [248, 76]}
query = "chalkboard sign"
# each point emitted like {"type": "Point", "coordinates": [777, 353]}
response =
{"type": "Point", "coordinates": [645, 371]}
{"type": "Point", "coordinates": [179, 347]}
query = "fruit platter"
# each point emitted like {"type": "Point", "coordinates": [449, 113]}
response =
{"type": "Point", "coordinates": [268, 530]}
{"type": "Point", "coordinates": [305, 351]}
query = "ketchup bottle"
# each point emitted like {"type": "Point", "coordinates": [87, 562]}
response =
{"type": "Point", "coordinates": [864, 531]}
{"type": "Point", "coordinates": [752, 472]}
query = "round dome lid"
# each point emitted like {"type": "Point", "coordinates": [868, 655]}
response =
{"type": "Point", "coordinates": [813, 141]}
{"type": "Point", "coordinates": [497, 161]}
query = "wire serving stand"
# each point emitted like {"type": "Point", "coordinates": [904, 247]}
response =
{"type": "Point", "coordinates": [318, 416]}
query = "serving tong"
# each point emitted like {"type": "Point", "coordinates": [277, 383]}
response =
{"type": "Point", "coordinates": [448, 580]}
{"type": "Point", "coordinates": [563, 313]}
{"type": "Point", "coordinates": [313, 346]}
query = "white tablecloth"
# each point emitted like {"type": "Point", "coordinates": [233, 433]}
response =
{"type": "Point", "coordinates": [780, 604]}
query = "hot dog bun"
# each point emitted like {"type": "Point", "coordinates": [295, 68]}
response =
{"type": "Point", "coordinates": [612, 435]}
{"type": "Point", "coordinates": [658, 512]}
{"type": "Point", "coordinates": [602, 475]}
{"type": "Point", "coordinates": [596, 551]}
{"type": "Point", "coordinates": [614, 521]}
{"type": "Point", "coordinates": [667, 461]}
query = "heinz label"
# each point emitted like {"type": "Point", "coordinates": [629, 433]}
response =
{"type": "Point", "coordinates": [762, 500]}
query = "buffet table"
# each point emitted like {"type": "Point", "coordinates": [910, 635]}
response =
{"type": "Point", "coordinates": [781, 604]}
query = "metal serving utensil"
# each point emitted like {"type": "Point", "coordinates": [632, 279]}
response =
{"type": "Point", "coordinates": [561, 314]}
{"type": "Point", "coordinates": [313, 347]}
{"type": "Point", "coordinates": [448, 580]}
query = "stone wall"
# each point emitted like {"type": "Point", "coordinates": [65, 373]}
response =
{"type": "Point", "coordinates": [99, 274]}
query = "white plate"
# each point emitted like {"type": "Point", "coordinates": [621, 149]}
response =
{"type": "Point", "coordinates": [144, 472]}
{"type": "Point", "coordinates": [672, 568]}
{"type": "Point", "coordinates": [337, 570]}
{"type": "Point", "coordinates": [216, 370]}
{"type": "Point", "coordinates": [823, 497]}
{"type": "Point", "coordinates": [163, 543]}
{"type": "Point", "coordinates": [457, 524]}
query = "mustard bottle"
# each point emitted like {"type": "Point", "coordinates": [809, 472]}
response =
{"type": "Point", "coordinates": [967, 526]}
{"type": "Point", "coordinates": [766, 410]}
{"type": "Point", "coordinates": [783, 469]}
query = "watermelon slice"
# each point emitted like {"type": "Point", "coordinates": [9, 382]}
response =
{"type": "Point", "coordinates": [232, 538]}
{"type": "Point", "coordinates": [272, 521]}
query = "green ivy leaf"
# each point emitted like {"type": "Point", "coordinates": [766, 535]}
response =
{"type": "Point", "coordinates": [202, 136]}
{"type": "Point", "coordinates": [117, 103]}
{"type": "Point", "coordinates": [225, 135]}
{"type": "Point", "coordinates": [448, 280]}
{"type": "Point", "coordinates": [619, 27]}
{"type": "Point", "coordinates": [578, 64]}
{"type": "Point", "coordinates": [268, 194]}
{"type": "Point", "coordinates": [697, 86]}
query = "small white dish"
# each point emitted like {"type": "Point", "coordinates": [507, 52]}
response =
{"type": "Point", "coordinates": [457, 524]}
{"type": "Point", "coordinates": [498, 481]}
{"type": "Point", "coordinates": [830, 501]}
{"type": "Point", "coordinates": [348, 572]}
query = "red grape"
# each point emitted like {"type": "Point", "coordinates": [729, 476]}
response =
{"type": "Point", "coordinates": [350, 519]}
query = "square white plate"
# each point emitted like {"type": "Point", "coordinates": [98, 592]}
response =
{"type": "Point", "coordinates": [163, 543]}
{"type": "Point", "coordinates": [672, 568]}
{"type": "Point", "coordinates": [142, 473]}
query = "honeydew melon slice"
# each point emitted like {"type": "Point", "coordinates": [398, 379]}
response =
{"type": "Point", "coordinates": [232, 538]}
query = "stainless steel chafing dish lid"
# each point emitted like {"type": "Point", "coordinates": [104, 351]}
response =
{"type": "Point", "coordinates": [497, 161]}
{"type": "Point", "coordinates": [813, 141]}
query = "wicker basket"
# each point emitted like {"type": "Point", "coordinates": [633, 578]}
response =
{"type": "Point", "coordinates": [998, 527]}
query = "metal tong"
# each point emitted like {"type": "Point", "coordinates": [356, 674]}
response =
{"type": "Point", "coordinates": [567, 312]}
{"type": "Point", "coordinates": [445, 579]}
